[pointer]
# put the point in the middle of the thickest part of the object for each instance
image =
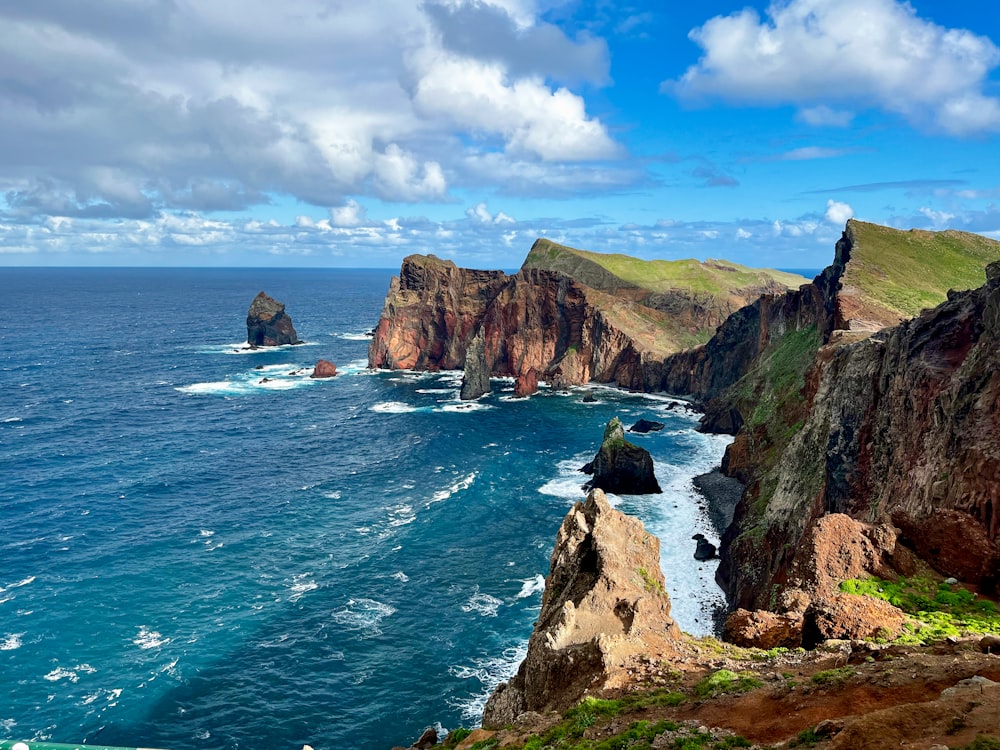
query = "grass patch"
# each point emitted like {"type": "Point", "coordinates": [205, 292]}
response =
{"type": "Point", "coordinates": [455, 736]}
{"type": "Point", "coordinates": [805, 738]}
{"type": "Point", "coordinates": [489, 744]}
{"type": "Point", "coordinates": [833, 677]}
{"type": "Point", "coordinates": [982, 742]}
{"type": "Point", "coordinates": [649, 583]}
{"type": "Point", "coordinates": [726, 681]}
{"type": "Point", "coordinates": [938, 609]}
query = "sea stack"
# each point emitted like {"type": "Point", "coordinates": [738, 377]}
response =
{"type": "Point", "coordinates": [620, 466]}
{"type": "Point", "coordinates": [267, 323]}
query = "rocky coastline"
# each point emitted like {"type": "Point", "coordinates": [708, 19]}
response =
{"type": "Point", "coordinates": [865, 410]}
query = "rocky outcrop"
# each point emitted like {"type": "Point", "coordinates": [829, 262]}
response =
{"type": "Point", "coordinates": [268, 324]}
{"type": "Point", "coordinates": [526, 383]}
{"type": "Point", "coordinates": [620, 466]}
{"type": "Point", "coordinates": [430, 314]}
{"type": "Point", "coordinates": [476, 380]}
{"type": "Point", "coordinates": [324, 369]}
{"type": "Point", "coordinates": [643, 426]}
{"type": "Point", "coordinates": [604, 607]}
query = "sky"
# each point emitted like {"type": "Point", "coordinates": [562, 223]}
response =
{"type": "Point", "coordinates": [316, 133]}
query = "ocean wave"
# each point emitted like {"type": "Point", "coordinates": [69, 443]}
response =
{"type": "Point", "coordinates": [435, 390]}
{"type": "Point", "coordinates": [489, 671]}
{"type": "Point", "coordinates": [531, 586]}
{"type": "Point", "coordinates": [11, 642]}
{"type": "Point", "coordinates": [352, 336]}
{"type": "Point", "coordinates": [401, 576]}
{"type": "Point", "coordinates": [332, 495]}
{"type": "Point", "coordinates": [461, 484]}
{"type": "Point", "coordinates": [301, 584]}
{"type": "Point", "coordinates": [364, 615]}
{"type": "Point", "coordinates": [11, 420]}
{"type": "Point", "coordinates": [465, 406]}
{"type": "Point", "coordinates": [282, 377]}
{"type": "Point", "coordinates": [23, 582]}
{"type": "Point", "coordinates": [242, 347]}
{"type": "Point", "coordinates": [482, 604]}
{"type": "Point", "coordinates": [394, 407]}
{"type": "Point", "coordinates": [569, 480]}
{"type": "Point", "coordinates": [401, 515]}
{"type": "Point", "coordinates": [72, 675]}
{"type": "Point", "coordinates": [147, 639]}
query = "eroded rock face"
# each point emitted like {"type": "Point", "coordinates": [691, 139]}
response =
{"type": "Point", "coordinates": [604, 606]}
{"type": "Point", "coordinates": [620, 466]}
{"type": "Point", "coordinates": [476, 379]}
{"type": "Point", "coordinates": [268, 324]}
{"type": "Point", "coordinates": [762, 629]}
{"type": "Point", "coordinates": [526, 383]}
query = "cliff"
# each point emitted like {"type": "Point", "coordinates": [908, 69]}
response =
{"type": "Point", "coordinates": [834, 414]}
{"type": "Point", "coordinates": [571, 317]}
{"type": "Point", "coordinates": [604, 609]}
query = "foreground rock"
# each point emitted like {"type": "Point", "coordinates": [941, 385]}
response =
{"type": "Point", "coordinates": [620, 466]}
{"type": "Point", "coordinates": [268, 324]}
{"type": "Point", "coordinates": [324, 369]}
{"type": "Point", "coordinates": [604, 608]}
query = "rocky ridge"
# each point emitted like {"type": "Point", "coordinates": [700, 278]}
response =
{"type": "Point", "coordinates": [563, 318]}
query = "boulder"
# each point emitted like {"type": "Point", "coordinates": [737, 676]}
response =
{"type": "Point", "coordinates": [324, 369]}
{"type": "Point", "coordinates": [604, 611]}
{"type": "Point", "coordinates": [645, 425]}
{"type": "Point", "coordinates": [620, 466]}
{"type": "Point", "coordinates": [762, 629]}
{"type": "Point", "coordinates": [705, 550]}
{"type": "Point", "coordinates": [268, 324]}
{"type": "Point", "coordinates": [847, 617]}
{"type": "Point", "coordinates": [526, 383]}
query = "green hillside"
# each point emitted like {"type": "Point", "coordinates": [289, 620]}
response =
{"type": "Point", "coordinates": [907, 271]}
{"type": "Point", "coordinates": [615, 271]}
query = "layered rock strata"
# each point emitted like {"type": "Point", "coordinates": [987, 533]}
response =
{"type": "Point", "coordinates": [604, 607]}
{"type": "Point", "coordinates": [268, 324]}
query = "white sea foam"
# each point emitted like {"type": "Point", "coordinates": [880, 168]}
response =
{"type": "Point", "coordinates": [435, 390]}
{"type": "Point", "coordinates": [206, 533]}
{"type": "Point", "coordinates": [147, 639]}
{"type": "Point", "coordinates": [531, 586]}
{"type": "Point", "coordinates": [465, 406]}
{"type": "Point", "coordinates": [301, 584]}
{"type": "Point", "coordinates": [60, 673]}
{"type": "Point", "coordinates": [11, 642]}
{"type": "Point", "coordinates": [242, 347]}
{"type": "Point", "coordinates": [568, 482]}
{"type": "Point", "coordinates": [482, 604]}
{"type": "Point", "coordinates": [23, 582]}
{"type": "Point", "coordinates": [10, 420]}
{"type": "Point", "coordinates": [332, 495]}
{"type": "Point", "coordinates": [352, 336]}
{"type": "Point", "coordinates": [490, 672]}
{"type": "Point", "coordinates": [401, 515]}
{"type": "Point", "coordinates": [364, 615]}
{"type": "Point", "coordinates": [394, 407]}
{"type": "Point", "coordinates": [401, 576]}
{"type": "Point", "coordinates": [461, 484]}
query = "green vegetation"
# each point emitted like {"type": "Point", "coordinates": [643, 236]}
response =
{"type": "Point", "coordinates": [833, 677]}
{"type": "Point", "coordinates": [615, 271]}
{"type": "Point", "coordinates": [455, 736]}
{"type": "Point", "coordinates": [805, 738]}
{"type": "Point", "coordinates": [938, 610]}
{"type": "Point", "coordinates": [489, 744]}
{"type": "Point", "coordinates": [649, 583]}
{"type": "Point", "coordinates": [982, 742]}
{"type": "Point", "coordinates": [908, 271]}
{"type": "Point", "coordinates": [726, 681]}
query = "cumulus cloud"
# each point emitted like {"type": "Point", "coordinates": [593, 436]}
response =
{"type": "Point", "coordinates": [831, 56]}
{"type": "Point", "coordinates": [126, 108]}
{"type": "Point", "coordinates": [838, 213]}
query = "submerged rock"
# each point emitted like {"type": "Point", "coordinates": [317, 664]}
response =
{"type": "Point", "coordinates": [604, 609]}
{"type": "Point", "coordinates": [645, 425]}
{"type": "Point", "coordinates": [268, 324]}
{"type": "Point", "coordinates": [620, 466]}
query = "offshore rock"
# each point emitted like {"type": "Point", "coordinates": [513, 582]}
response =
{"type": "Point", "coordinates": [604, 607]}
{"type": "Point", "coordinates": [268, 324]}
{"type": "Point", "coordinates": [476, 380]}
{"type": "Point", "coordinates": [620, 466]}
{"type": "Point", "coordinates": [526, 383]}
{"type": "Point", "coordinates": [324, 369]}
{"type": "Point", "coordinates": [643, 426]}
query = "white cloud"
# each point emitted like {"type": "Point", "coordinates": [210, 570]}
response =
{"type": "Point", "coordinates": [351, 214]}
{"type": "Point", "coordinates": [867, 53]}
{"type": "Point", "coordinates": [824, 116]}
{"type": "Point", "coordinates": [532, 119]}
{"type": "Point", "coordinates": [938, 218]}
{"type": "Point", "coordinates": [481, 213]}
{"type": "Point", "coordinates": [216, 106]}
{"type": "Point", "coordinates": [838, 213]}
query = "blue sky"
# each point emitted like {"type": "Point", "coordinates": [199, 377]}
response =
{"type": "Point", "coordinates": [321, 133]}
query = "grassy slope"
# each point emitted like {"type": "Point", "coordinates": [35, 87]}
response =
{"type": "Point", "coordinates": [909, 271]}
{"type": "Point", "coordinates": [601, 270]}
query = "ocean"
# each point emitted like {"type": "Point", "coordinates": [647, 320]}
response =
{"type": "Point", "coordinates": [203, 548]}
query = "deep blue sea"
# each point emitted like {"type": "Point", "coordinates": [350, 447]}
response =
{"type": "Point", "coordinates": [194, 557]}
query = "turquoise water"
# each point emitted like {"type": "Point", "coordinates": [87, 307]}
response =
{"type": "Point", "coordinates": [193, 558]}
